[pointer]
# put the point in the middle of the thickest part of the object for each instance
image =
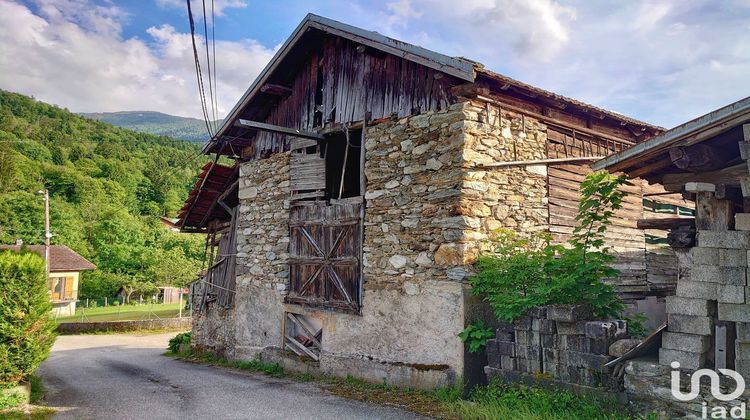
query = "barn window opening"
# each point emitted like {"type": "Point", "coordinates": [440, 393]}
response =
{"type": "Point", "coordinates": [342, 164]}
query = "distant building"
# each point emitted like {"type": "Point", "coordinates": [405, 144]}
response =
{"type": "Point", "coordinates": [65, 267]}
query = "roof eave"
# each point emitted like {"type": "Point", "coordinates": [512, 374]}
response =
{"type": "Point", "coordinates": [712, 119]}
{"type": "Point", "coordinates": [463, 69]}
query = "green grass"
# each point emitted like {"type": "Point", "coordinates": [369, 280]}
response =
{"type": "Point", "coordinates": [495, 401]}
{"type": "Point", "coordinates": [123, 313]}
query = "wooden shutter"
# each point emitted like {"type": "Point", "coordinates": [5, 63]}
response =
{"type": "Point", "coordinates": [325, 248]}
{"type": "Point", "coordinates": [69, 287]}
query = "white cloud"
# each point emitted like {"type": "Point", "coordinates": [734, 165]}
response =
{"type": "Point", "coordinates": [74, 55]}
{"type": "Point", "coordinates": [219, 6]}
{"type": "Point", "coordinates": [663, 62]}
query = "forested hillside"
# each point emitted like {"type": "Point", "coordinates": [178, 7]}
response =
{"type": "Point", "coordinates": [191, 129]}
{"type": "Point", "coordinates": [108, 187]}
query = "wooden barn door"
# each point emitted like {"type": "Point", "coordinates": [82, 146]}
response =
{"type": "Point", "coordinates": [325, 248]}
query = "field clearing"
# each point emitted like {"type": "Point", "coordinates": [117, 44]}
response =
{"type": "Point", "coordinates": [124, 313]}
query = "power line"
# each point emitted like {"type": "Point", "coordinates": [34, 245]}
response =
{"type": "Point", "coordinates": [213, 41]}
{"type": "Point", "coordinates": [208, 64]}
{"type": "Point", "coordinates": [201, 90]}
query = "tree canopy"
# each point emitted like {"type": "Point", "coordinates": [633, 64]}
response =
{"type": "Point", "coordinates": [108, 187]}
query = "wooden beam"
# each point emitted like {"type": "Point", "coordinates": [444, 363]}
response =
{"type": "Point", "coordinates": [538, 162]}
{"type": "Point", "coordinates": [276, 90]}
{"type": "Point", "coordinates": [255, 125]}
{"type": "Point", "coordinates": [731, 175]}
{"type": "Point", "coordinates": [665, 223]}
{"type": "Point", "coordinates": [645, 170]}
{"type": "Point", "coordinates": [699, 157]}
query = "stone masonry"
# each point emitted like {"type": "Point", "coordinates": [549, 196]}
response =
{"type": "Point", "coordinates": [429, 210]}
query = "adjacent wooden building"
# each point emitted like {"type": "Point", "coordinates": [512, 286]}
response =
{"type": "Point", "coordinates": [368, 175]}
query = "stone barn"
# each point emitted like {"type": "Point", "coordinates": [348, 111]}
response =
{"type": "Point", "coordinates": [368, 174]}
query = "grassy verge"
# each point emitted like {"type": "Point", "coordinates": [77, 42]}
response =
{"type": "Point", "coordinates": [495, 401]}
{"type": "Point", "coordinates": [32, 410]}
{"type": "Point", "coordinates": [123, 313]}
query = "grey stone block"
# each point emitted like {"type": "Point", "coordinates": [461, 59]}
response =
{"type": "Point", "coordinates": [606, 330]}
{"type": "Point", "coordinates": [507, 363]}
{"type": "Point", "coordinates": [700, 325]}
{"type": "Point", "coordinates": [707, 256]}
{"type": "Point", "coordinates": [646, 367]}
{"type": "Point", "coordinates": [547, 326]}
{"type": "Point", "coordinates": [527, 365]}
{"type": "Point", "coordinates": [579, 343]}
{"type": "Point", "coordinates": [584, 360]}
{"type": "Point", "coordinates": [528, 352]}
{"type": "Point", "coordinates": [690, 306]}
{"type": "Point", "coordinates": [571, 328]}
{"type": "Point", "coordinates": [569, 313]}
{"type": "Point", "coordinates": [743, 368]}
{"type": "Point", "coordinates": [696, 289]}
{"type": "Point", "coordinates": [686, 342]}
{"type": "Point", "coordinates": [687, 360]}
{"type": "Point", "coordinates": [549, 340]}
{"type": "Point", "coordinates": [506, 348]}
{"type": "Point", "coordinates": [715, 274]}
{"type": "Point", "coordinates": [550, 356]}
{"type": "Point", "coordinates": [553, 369]}
{"type": "Point", "coordinates": [523, 323]}
{"type": "Point", "coordinates": [734, 312]}
{"type": "Point", "coordinates": [528, 338]}
{"type": "Point", "coordinates": [537, 312]}
{"type": "Point", "coordinates": [742, 350]}
{"type": "Point", "coordinates": [729, 293]}
{"type": "Point", "coordinates": [505, 332]}
{"type": "Point", "coordinates": [724, 239]}
{"type": "Point", "coordinates": [733, 257]}
{"type": "Point", "coordinates": [742, 221]}
{"type": "Point", "coordinates": [743, 331]}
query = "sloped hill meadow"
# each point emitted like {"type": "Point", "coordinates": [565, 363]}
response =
{"type": "Point", "coordinates": [108, 187]}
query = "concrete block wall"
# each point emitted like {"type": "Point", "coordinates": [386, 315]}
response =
{"type": "Point", "coordinates": [562, 343]}
{"type": "Point", "coordinates": [716, 292]}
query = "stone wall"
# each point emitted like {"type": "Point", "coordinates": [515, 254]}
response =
{"type": "Point", "coordinates": [262, 256]}
{"type": "Point", "coordinates": [561, 343]}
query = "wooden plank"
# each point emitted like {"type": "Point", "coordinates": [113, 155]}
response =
{"type": "Point", "coordinates": [666, 223]}
{"type": "Point", "coordinates": [256, 125]}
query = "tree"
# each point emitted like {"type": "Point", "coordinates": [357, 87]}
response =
{"type": "Point", "coordinates": [26, 327]}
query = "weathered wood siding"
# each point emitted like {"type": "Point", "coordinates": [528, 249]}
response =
{"type": "Point", "coordinates": [338, 84]}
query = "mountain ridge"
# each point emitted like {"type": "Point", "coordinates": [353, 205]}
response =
{"type": "Point", "coordinates": [154, 122]}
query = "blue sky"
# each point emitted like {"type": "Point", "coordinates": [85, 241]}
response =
{"type": "Point", "coordinates": [660, 61]}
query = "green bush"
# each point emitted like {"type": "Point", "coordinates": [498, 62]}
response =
{"type": "Point", "coordinates": [476, 336]}
{"type": "Point", "coordinates": [523, 273]}
{"type": "Point", "coordinates": [181, 338]}
{"type": "Point", "coordinates": [26, 327]}
{"type": "Point", "coordinates": [11, 399]}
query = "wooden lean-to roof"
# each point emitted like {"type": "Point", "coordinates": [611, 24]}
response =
{"type": "Point", "coordinates": [707, 149]}
{"type": "Point", "coordinates": [215, 188]}
{"type": "Point", "coordinates": [61, 258]}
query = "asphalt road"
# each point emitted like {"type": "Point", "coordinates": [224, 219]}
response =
{"type": "Point", "coordinates": [125, 376]}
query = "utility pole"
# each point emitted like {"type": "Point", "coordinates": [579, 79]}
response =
{"type": "Point", "coordinates": [47, 233]}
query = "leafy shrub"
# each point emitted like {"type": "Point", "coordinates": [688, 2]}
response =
{"type": "Point", "coordinates": [26, 327]}
{"type": "Point", "coordinates": [523, 273]}
{"type": "Point", "coordinates": [176, 341]}
{"type": "Point", "coordinates": [476, 336]}
{"type": "Point", "coordinates": [11, 399]}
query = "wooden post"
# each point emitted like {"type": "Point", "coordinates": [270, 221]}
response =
{"type": "Point", "coordinates": [180, 300]}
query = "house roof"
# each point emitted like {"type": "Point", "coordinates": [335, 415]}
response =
{"type": "Point", "coordinates": [461, 68]}
{"type": "Point", "coordinates": [61, 258]}
{"type": "Point", "coordinates": [721, 128]}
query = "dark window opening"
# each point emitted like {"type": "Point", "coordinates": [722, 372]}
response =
{"type": "Point", "coordinates": [342, 163]}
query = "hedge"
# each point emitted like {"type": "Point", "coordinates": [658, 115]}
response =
{"type": "Point", "coordinates": [26, 326]}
